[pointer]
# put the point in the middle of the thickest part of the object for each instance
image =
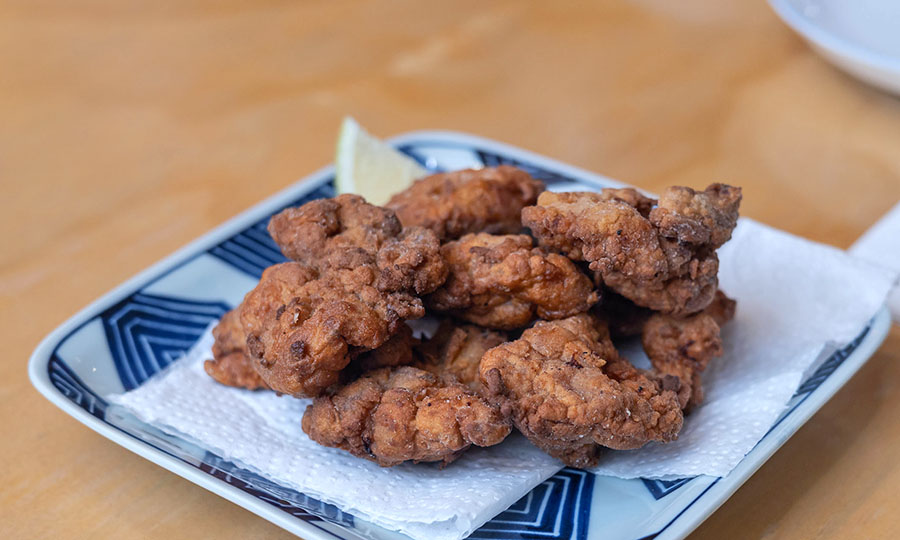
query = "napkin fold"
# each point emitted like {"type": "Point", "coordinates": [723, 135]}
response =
{"type": "Point", "coordinates": [794, 298]}
{"type": "Point", "coordinates": [881, 245]}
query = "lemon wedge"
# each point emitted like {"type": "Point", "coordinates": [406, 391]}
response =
{"type": "Point", "coordinates": [367, 166]}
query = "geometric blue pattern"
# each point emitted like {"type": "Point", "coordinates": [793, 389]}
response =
{"type": "Point", "coordinates": [558, 508]}
{"type": "Point", "coordinates": [410, 151]}
{"type": "Point", "coordinates": [71, 386]}
{"type": "Point", "coordinates": [253, 250]}
{"type": "Point", "coordinates": [831, 364]}
{"type": "Point", "coordinates": [661, 488]}
{"type": "Point", "coordinates": [147, 332]}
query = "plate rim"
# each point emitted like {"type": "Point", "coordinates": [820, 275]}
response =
{"type": "Point", "coordinates": [686, 521]}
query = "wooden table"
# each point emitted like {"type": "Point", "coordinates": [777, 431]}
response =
{"type": "Point", "coordinates": [130, 128]}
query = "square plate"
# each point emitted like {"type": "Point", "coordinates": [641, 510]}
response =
{"type": "Point", "coordinates": [121, 340]}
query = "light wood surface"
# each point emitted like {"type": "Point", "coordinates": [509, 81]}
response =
{"type": "Point", "coordinates": [129, 128]}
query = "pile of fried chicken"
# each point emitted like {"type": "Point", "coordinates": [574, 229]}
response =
{"type": "Point", "coordinates": [527, 321]}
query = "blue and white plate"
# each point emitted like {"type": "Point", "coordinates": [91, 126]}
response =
{"type": "Point", "coordinates": [124, 338]}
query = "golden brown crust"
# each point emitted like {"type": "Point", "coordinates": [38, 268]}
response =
{"type": "Point", "coordinates": [277, 286]}
{"type": "Point", "coordinates": [631, 197]}
{"type": "Point", "coordinates": [456, 203]}
{"type": "Point", "coordinates": [393, 415]}
{"type": "Point", "coordinates": [681, 295]}
{"type": "Point", "coordinates": [662, 258]}
{"type": "Point", "coordinates": [396, 351]}
{"type": "Point", "coordinates": [503, 282]}
{"type": "Point", "coordinates": [455, 351]}
{"type": "Point", "coordinates": [684, 346]}
{"type": "Point", "coordinates": [411, 262]}
{"type": "Point", "coordinates": [344, 226]}
{"type": "Point", "coordinates": [346, 232]}
{"type": "Point", "coordinates": [698, 217]}
{"type": "Point", "coordinates": [566, 389]}
{"type": "Point", "coordinates": [230, 364]}
{"type": "Point", "coordinates": [306, 343]}
{"type": "Point", "coordinates": [607, 232]}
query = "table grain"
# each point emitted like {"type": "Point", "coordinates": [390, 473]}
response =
{"type": "Point", "coordinates": [130, 128]}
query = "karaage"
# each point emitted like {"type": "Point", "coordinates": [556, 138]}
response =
{"type": "Point", "coordinates": [474, 200]}
{"type": "Point", "coordinates": [302, 335]}
{"type": "Point", "coordinates": [455, 350]}
{"type": "Point", "coordinates": [230, 364]}
{"type": "Point", "coordinates": [396, 351]}
{"type": "Point", "coordinates": [570, 393]}
{"type": "Point", "coordinates": [659, 256]}
{"type": "Point", "coordinates": [393, 415]}
{"type": "Point", "coordinates": [346, 232]}
{"type": "Point", "coordinates": [502, 281]}
{"type": "Point", "coordinates": [684, 346]}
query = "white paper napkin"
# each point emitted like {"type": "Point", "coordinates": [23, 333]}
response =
{"type": "Point", "coordinates": [261, 432]}
{"type": "Point", "coordinates": [881, 245]}
{"type": "Point", "coordinates": [794, 297]}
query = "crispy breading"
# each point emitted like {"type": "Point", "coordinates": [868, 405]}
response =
{"type": "Point", "coordinates": [503, 282]}
{"type": "Point", "coordinates": [662, 258]}
{"type": "Point", "coordinates": [347, 232]}
{"type": "Point", "coordinates": [455, 350]}
{"type": "Point", "coordinates": [630, 196]}
{"type": "Point", "coordinates": [396, 351]}
{"type": "Point", "coordinates": [697, 217]}
{"type": "Point", "coordinates": [230, 364]}
{"type": "Point", "coordinates": [411, 262]}
{"type": "Point", "coordinates": [474, 200]}
{"type": "Point", "coordinates": [684, 346]}
{"type": "Point", "coordinates": [303, 334]}
{"type": "Point", "coordinates": [276, 287]}
{"type": "Point", "coordinates": [570, 393]}
{"type": "Point", "coordinates": [345, 225]}
{"type": "Point", "coordinates": [681, 295]}
{"type": "Point", "coordinates": [393, 415]}
{"type": "Point", "coordinates": [607, 232]}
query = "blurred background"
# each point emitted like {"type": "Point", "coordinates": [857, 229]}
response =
{"type": "Point", "coordinates": [130, 128]}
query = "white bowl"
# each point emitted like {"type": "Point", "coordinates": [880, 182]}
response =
{"type": "Point", "coordinates": [861, 37]}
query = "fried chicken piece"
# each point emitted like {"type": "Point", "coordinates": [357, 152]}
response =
{"type": "Point", "coordinates": [722, 308]}
{"type": "Point", "coordinates": [347, 232]}
{"type": "Point", "coordinates": [684, 346]}
{"type": "Point", "coordinates": [697, 217]}
{"type": "Point", "coordinates": [607, 232]}
{"type": "Point", "coordinates": [631, 197]}
{"type": "Point", "coordinates": [503, 282]}
{"type": "Point", "coordinates": [570, 393]}
{"type": "Point", "coordinates": [660, 257]}
{"type": "Point", "coordinates": [681, 295]}
{"type": "Point", "coordinates": [397, 351]}
{"type": "Point", "coordinates": [230, 364]}
{"type": "Point", "coordinates": [411, 262]}
{"type": "Point", "coordinates": [277, 286]}
{"type": "Point", "coordinates": [345, 225]}
{"type": "Point", "coordinates": [303, 334]}
{"type": "Point", "coordinates": [454, 352]}
{"type": "Point", "coordinates": [393, 415]}
{"type": "Point", "coordinates": [469, 201]}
